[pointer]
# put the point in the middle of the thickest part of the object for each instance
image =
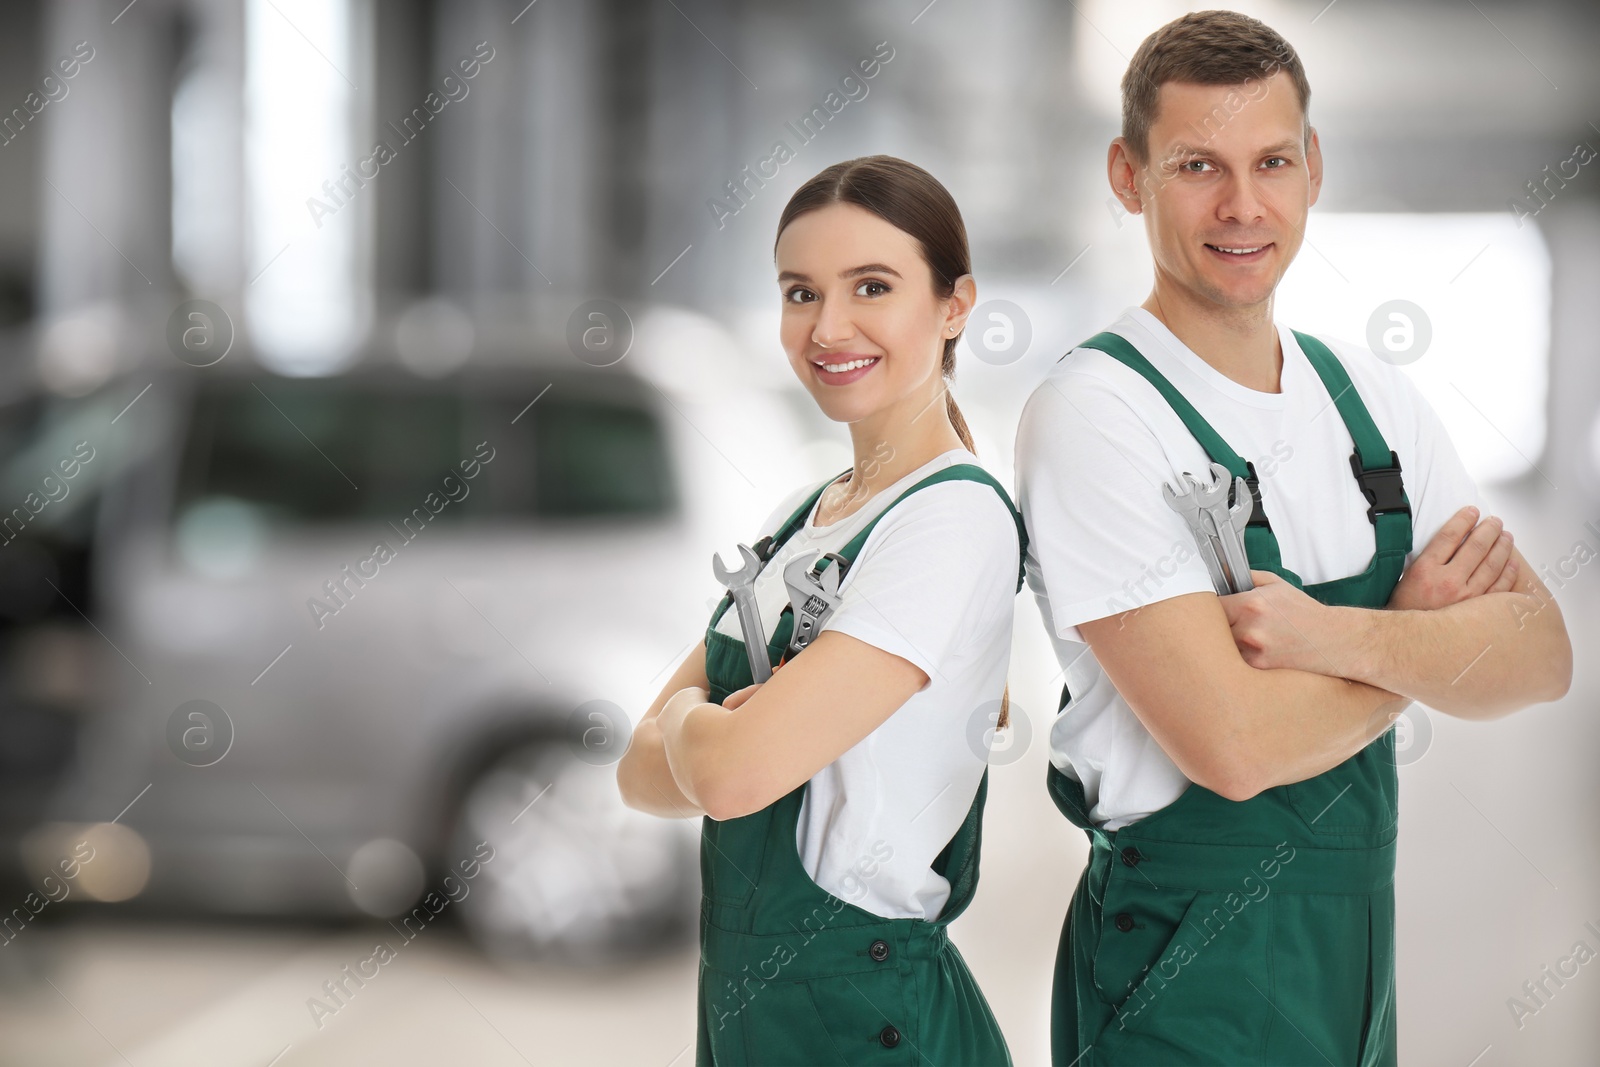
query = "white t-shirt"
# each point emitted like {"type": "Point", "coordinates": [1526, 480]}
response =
{"type": "Point", "coordinates": [935, 583]}
{"type": "Point", "coordinates": [1096, 441]}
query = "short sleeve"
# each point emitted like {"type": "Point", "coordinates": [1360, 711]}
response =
{"type": "Point", "coordinates": [932, 575]}
{"type": "Point", "coordinates": [1101, 537]}
{"type": "Point", "coordinates": [1437, 483]}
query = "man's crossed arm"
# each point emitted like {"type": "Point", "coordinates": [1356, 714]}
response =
{"type": "Point", "coordinates": [1199, 670]}
{"type": "Point", "coordinates": [1471, 650]}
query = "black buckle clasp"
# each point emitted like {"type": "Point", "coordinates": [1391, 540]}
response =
{"type": "Point", "coordinates": [1258, 514]}
{"type": "Point", "coordinates": [1382, 486]}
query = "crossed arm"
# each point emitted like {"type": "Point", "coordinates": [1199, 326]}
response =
{"type": "Point", "coordinates": [691, 757]}
{"type": "Point", "coordinates": [1269, 687]}
{"type": "Point", "coordinates": [1499, 648]}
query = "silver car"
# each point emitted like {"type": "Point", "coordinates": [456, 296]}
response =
{"type": "Point", "coordinates": [368, 645]}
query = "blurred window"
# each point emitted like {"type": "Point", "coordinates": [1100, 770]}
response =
{"type": "Point", "coordinates": [1466, 300]}
{"type": "Point", "coordinates": [333, 451]}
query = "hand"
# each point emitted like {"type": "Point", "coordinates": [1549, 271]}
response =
{"type": "Point", "coordinates": [1276, 625]}
{"type": "Point", "coordinates": [735, 699]}
{"type": "Point", "coordinates": [1450, 570]}
{"type": "Point", "coordinates": [670, 719]}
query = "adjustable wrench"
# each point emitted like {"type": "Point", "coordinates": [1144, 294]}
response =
{"type": "Point", "coordinates": [812, 596]}
{"type": "Point", "coordinates": [1187, 504]}
{"type": "Point", "coordinates": [741, 586]}
{"type": "Point", "coordinates": [1226, 524]}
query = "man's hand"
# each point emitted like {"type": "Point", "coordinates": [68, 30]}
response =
{"type": "Point", "coordinates": [1275, 626]}
{"type": "Point", "coordinates": [1450, 570]}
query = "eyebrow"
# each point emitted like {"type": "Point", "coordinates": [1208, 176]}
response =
{"type": "Point", "coordinates": [853, 272]}
{"type": "Point", "coordinates": [1282, 147]}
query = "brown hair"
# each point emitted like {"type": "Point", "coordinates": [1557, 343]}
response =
{"type": "Point", "coordinates": [914, 202]}
{"type": "Point", "coordinates": [1207, 48]}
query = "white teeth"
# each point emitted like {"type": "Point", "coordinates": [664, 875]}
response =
{"type": "Point", "coordinates": [1239, 251]}
{"type": "Point", "coordinates": [838, 368]}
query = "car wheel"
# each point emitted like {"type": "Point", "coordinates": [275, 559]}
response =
{"type": "Point", "coordinates": [574, 873]}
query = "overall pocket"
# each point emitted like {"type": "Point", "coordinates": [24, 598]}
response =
{"type": "Point", "coordinates": [863, 1020]}
{"type": "Point", "coordinates": [731, 854]}
{"type": "Point", "coordinates": [1139, 923]}
{"type": "Point", "coordinates": [1192, 997]}
{"type": "Point", "coordinates": [772, 1022]}
{"type": "Point", "coordinates": [1359, 796]}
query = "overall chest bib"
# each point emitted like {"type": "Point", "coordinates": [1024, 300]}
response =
{"type": "Point", "coordinates": [790, 973]}
{"type": "Point", "coordinates": [1254, 932]}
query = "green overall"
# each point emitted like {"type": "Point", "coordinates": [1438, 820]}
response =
{"type": "Point", "coordinates": [1256, 932]}
{"type": "Point", "coordinates": [790, 973]}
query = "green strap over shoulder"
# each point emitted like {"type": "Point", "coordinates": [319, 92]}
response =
{"type": "Point", "coordinates": [958, 472]}
{"type": "Point", "coordinates": [1373, 464]}
{"type": "Point", "coordinates": [969, 472]}
{"type": "Point", "coordinates": [1218, 449]}
{"type": "Point", "coordinates": [1261, 544]}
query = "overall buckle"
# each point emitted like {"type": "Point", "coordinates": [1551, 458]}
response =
{"type": "Point", "coordinates": [1382, 486]}
{"type": "Point", "coordinates": [1258, 514]}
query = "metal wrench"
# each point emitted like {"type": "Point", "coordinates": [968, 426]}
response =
{"type": "Point", "coordinates": [1225, 523]}
{"type": "Point", "coordinates": [1239, 518]}
{"type": "Point", "coordinates": [1187, 504]}
{"type": "Point", "coordinates": [741, 586]}
{"type": "Point", "coordinates": [812, 596]}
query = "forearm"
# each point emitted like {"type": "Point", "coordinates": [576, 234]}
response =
{"type": "Point", "coordinates": [1266, 728]}
{"type": "Point", "coordinates": [645, 778]}
{"type": "Point", "coordinates": [1476, 659]}
{"type": "Point", "coordinates": [702, 753]}
{"type": "Point", "coordinates": [1230, 726]}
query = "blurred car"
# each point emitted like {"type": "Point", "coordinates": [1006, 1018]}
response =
{"type": "Point", "coordinates": [357, 627]}
{"type": "Point", "coordinates": [44, 534]}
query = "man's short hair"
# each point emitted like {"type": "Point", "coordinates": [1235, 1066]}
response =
{"type": "Point", "coordinates": [1207, 48]}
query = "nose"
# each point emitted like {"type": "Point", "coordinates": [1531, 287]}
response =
{"type": "Point", "coordinates": [1242, 200]}
{"type": "Point", "coordinates": [833, 324]}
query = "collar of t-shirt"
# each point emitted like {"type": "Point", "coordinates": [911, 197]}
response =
{"type": "Point", "coordinates": [1164, 351]}
{"type": "Point", "coordinates": [885, 496]}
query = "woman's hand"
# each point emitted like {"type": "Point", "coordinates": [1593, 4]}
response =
{"type": "Point", "coordinates": [735, 699]}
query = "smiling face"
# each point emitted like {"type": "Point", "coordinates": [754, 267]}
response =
{"type": "Point", "coordinates": [1227, 190]}
{"type": "Point", "coordinates": [862, 326]}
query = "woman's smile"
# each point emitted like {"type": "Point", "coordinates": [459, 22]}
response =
{"type": "Point", "coordinates": [843, 368]}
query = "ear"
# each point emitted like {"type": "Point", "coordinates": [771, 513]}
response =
{"type": "Point", "coordinates": [1123, 174]}
{"type": "Point", "coordinates": [1314, 166]}
{"type": "Point", "coordinates": [961, 303]}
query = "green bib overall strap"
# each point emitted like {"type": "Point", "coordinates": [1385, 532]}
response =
{"type": "Point", "coordinates": [791, 973]}
{"type": "Point", "coordinates": [769, 545]}
{"type": "Point", "coordinates": [958, 472]}
{"type": "Point", "coordinates": [1171, 925]}
{"type": "Point", "coordinates": [1375, 466]}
